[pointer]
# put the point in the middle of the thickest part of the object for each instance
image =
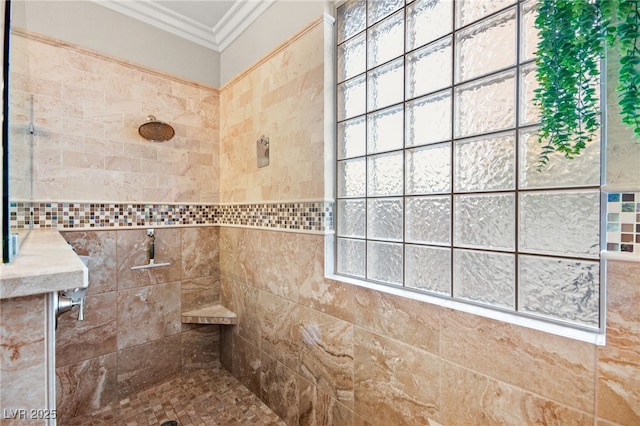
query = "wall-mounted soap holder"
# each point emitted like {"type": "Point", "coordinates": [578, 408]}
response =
{"type": "Point", "coordinates": [262, 151]}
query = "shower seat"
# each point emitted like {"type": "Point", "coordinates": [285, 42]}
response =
{"type": "Point", "coordinates": [211, 314]}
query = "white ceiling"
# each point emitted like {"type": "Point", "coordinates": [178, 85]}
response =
{"type": "Point", "coordinates": [213, 23]}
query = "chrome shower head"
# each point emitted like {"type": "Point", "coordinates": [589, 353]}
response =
{"type": "Point", "coordinates": [156, 131]}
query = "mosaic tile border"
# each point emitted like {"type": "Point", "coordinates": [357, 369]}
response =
{"type": "Point", "coordinates": [623, 223]}
{"type": "Point", "coordinates": [312, 216]}
{"type": "Point", "coordinates": [306, 216]}
{"type": "Point", "coordinates": [623, 217]}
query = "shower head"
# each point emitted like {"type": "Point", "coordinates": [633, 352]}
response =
{"type": "Point", "coordinates": [156, 131]}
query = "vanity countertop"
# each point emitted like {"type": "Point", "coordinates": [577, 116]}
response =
{"type": "Point", "coordinates": [45, 263]}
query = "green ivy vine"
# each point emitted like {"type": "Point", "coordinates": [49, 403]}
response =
{"type": "Point", "coordinates": [572, 39]}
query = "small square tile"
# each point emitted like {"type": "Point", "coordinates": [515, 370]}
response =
{"type": "Point", "coordinates": [627, 217]}
{"type": "Point", "coordinates": [194, 399]}
{"type": "Point", "coordinates": [613, 197]}
{"type": "Point", "coordinates": [613, 237]}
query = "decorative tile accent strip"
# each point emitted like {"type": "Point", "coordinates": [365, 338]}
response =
{"type": "Point", "coordinates": [102, 215]}
{"type": "Point", "coordinates": [623, 223]}
{"type": "Point", "coordinates": [307, 216]}
{"type": "Point", "coordinates": [315, 216]}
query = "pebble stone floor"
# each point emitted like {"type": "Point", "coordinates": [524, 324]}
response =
{"type": "Point", "coordinates": [208, 397]}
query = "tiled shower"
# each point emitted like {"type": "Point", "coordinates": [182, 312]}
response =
{"type": "Point", "coordinates": [315, 350]}
{"type": "Point", "coordinates": [132, 337]}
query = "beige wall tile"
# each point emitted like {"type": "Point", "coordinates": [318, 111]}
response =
{"type": "Point", "coordinates": [148, 313]}
{"type": "Point", "coordinates": [106, 147]}
{"type": "Point", "coordinates": [244, 301]}
{"type": "Point", "coordinates": [200, 348]}
{"type": "Point", "coordinates": [143, 366]}
{"type": "Point", "coordinates": [400, 318]}
{"type": "Point", "coordinates": [200, 252]}
{"type": "Point", "coordinates": [80, 127]}
{"type": "Point", "coordinates": [471, 398]}
{"type": "Point", "coordinates": [121, 164]}
{"type": "Point", "coordinates": [155, 167]}
{"type": "Point", "coordinates": [618, 379]}
{"type": "Point", "coordinates": [77, 341]}
{"type": "Point", "coordinates": [329, 297]}
{"type": "Point", "coordinates": [86, 386]}
{"type": "Point", "coordinates": [246, 363]}
{"type": "Point", "coordinates": [72, 91]}
{"type": "Point", "coordinates": [327, 354]}
{"type": "Point", "coordinates": [144, 181]}
{"type": "Point", "coordinates": [314, 291]}
{"type": "Point", "coordinates": [100, 246]}
{"type": "Point", "coordinates": [601, 422]}
{"type": "Point", "coordinates": [146, 152]}
{"type": "Point", "coordinates": [394, 383]}
{"type": "Point", "coordinates": [316, 407]}
{"type": "Point", "coordinates": [277, 261]}
{"type": "Point", "coordinates": [279, 389]}
{"type": "Point", "coordinates": [551, 366]}
{"type": "Point", "coordinates": [84, 160]}
{"type": "Point", "coordinates": [199, 292]}
{"type": "Point", "coordinates": [280, 331]}
{"type": "Point", "coordinates": [240, 254]}
{"type": "Point", "coordinates": [23, 353]}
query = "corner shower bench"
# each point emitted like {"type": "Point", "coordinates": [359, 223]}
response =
{"type": "Point", "coordinates": [212, 314]}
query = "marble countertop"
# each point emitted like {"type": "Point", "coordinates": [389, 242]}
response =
{"type": "Point", "coordinates": [45, 263]}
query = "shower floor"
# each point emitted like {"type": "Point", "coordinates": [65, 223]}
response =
{"type": "Point", "coordinates": [205, 398]}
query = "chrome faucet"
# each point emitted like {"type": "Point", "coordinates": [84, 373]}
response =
{"type": "Point", "coordinates": [67, 299]}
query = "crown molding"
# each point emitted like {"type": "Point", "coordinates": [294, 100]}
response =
{"type": "Point", "coordinates": [242, 14]}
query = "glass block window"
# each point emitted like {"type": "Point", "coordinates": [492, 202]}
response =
{"type": "Point", "coordinates": [437, 150]}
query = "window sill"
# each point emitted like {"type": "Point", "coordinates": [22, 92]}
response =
{"type": "Point", "coordinates": [590, 336]}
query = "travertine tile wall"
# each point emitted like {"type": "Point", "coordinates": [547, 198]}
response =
{"type": "Point", "coordinates": [323, 352]}
{"type": "Point", "coordinates": [283, 99]}
{"type": "Point", "coordinates": [132, 337]}
{"type": "Point", "coordinates": [24, 336]}
{"type": "Point", "coordinates": [317, 350]}
{"type": "Point", "coordinates": [87, 108]}
{"type": "Point", "coordinates": [86, 150]}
